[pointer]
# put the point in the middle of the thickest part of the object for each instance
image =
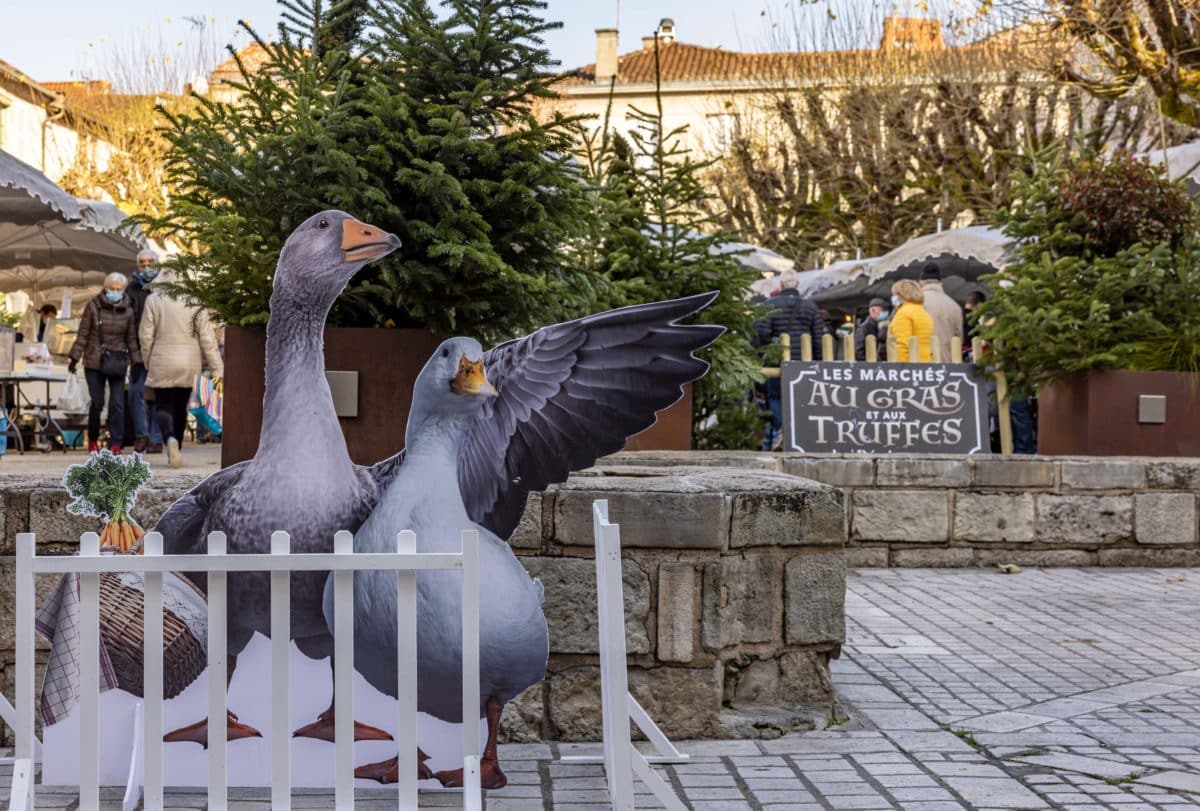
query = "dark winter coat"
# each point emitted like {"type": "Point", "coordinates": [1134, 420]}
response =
{"type": "Point", "coordinates": [869, 326]}
{"type": "Point", "coordinates": [109, 325]}
{"type": "Point", "coordinates": [137, 293]}
{"type": "Point", "coordinates": [796, 316]}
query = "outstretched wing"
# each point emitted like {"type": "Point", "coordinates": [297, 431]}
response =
{"type": "Point", "coordinates": [571, 393]}
{"type": "Point", "coordinates": [182, 525]}
{"type": "Point", "coordinates": [381, 473]}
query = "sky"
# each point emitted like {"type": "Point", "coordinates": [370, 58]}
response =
{"type": "Point", "coordinates": [69, 39]}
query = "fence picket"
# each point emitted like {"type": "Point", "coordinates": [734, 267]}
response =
{"type": "Point", "coordinates": [406, 671]}
{"type": "Point", "coordinates": [89, 677]}
{"type": "Point", "coordinates": [343, 675]}
{"type": "Point", "coordinates": [218, 672]}
{"type": "Point", "coordinates": [281, 678]}
{"type": "Point", "coordinates": [152, 679]}
{"type": "Point", "coordinates": [470, 649]}
{"type": "Point", "coordinates": [23, 790]}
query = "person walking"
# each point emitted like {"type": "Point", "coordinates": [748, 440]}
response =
{"type": "Point", "coordinates": [797, 316]}
{"type": "Point", "coordinates": [947, 315]}
{"type": "Point", "coordinates": [909, 319]}
{"type": "Point", "coordinates": [175, 338]}
{"type": "Point", "coordinates": [107, 343]}
{"type": "Point", "coordinates": [147, 437]}
{"type": "Point", "coordinates": [876, 324]}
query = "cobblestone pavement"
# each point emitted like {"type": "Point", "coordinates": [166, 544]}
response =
{"type": "Point", "coordinates": [1055, 688]}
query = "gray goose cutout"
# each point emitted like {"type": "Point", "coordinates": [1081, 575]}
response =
{"type": "Point", "coordinates": [301, 478]}
{"type": "Point", "coordinates": [562, 397]}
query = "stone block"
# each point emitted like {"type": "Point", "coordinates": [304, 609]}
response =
{"type": "Point", "coordinates": [1172, 475]}
{"type": "Point", "coordinates": [1142, 556]}
{"type": "Point", "coordinates": [815, 598]}
{"type": "Point", "coordinates": [796, 677]}
{"type": "Point", "coordinates": [683, 701]}
{"type": "Point", "coordinates": [838, 471]}
{"type": "Point", "coordinates": [934, 558]}
{"type": "Point", "coordinates": [522, 721]}
{"type": "Point", "coordinates": [1165, 518]}
{"type": "Point", "coordinates": [910, 471]}
{"type": "Point", "coordinates": [993, 516]}
{"type": "Point", "coordinates": [866, 557]}
{"type": "Point", "coordinates": [1002, 471]}
{"type": "Point", "coordinates": [656, 511]}
{"type": "Point", "coordinates": [528, 534]}
{"type": "Point", "coordinates": [900, 515]}
{"type": "Point", "coordinates": [1103, 474]}
{"type": "Point", "coordinates": [747, 460]}
{"type": "Point", "coordinates": [740, 602]}
{"type": "Point", "coordinates": [803, 514]}
{"type": "Point", "coordinates": [1035, 557]}
{"type": "Point", "coordinates": [50, 521]}
{"type": "Point", "coordinates": [570, 605]}
{"type": "Point", "coordinates": [676, 611]}
{"type": "Point", "coordinates": [1084, 520]}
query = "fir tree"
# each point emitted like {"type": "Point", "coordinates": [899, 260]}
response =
{"type": "Point", "coordinates": [653, 240]}
{"type": "Point", "coordinates": [422, 126]}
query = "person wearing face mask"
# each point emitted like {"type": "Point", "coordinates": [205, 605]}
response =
{"type": "Point", "coordinates": [909, 318]}
{"type": "Point", "coordinates": [107, 344]}
{"type": "Point", "coordinates": [876, 323]}
{"type": "Point", "coordinates": [147, 435]}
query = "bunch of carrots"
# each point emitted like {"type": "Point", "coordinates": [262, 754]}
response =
{"type": "Point", "coordinates": [106, 487]}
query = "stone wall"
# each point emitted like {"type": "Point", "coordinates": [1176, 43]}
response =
{"type": "Point", "coordinates": [734, 590]}
{"type": "Point", "coordinates": [988, 510]}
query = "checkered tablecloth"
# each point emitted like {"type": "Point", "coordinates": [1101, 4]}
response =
{"type": "Point", "coordinates": [58, 621]}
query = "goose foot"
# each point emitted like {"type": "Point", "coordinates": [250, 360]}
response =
{"type": "Point", "coordinates": [198, 732]}
{"type": "Point", "coordinates": [490, 775]}
{"type": "Point", "coordinates": [388, 771]}
{"type": "Point", "coordinates": [322, 730]}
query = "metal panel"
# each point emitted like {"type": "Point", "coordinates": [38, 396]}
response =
{"type": "Point", "coordinates": [344, 388]}
{"type": "Point", "coordinates": [1152, 409]}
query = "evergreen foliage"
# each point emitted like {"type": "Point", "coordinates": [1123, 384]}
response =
{"type": "Point", "coordinates": [421, 125]}
{"type": "Point", "coordinates": [653, 240]}
{"type": "Point", "coordinates": [1105, 273]}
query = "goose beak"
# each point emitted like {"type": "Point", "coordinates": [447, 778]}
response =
{"type": "Point", "coordinates": [362, 242]}
{"type": "Point", "coordinates": [471, 380]}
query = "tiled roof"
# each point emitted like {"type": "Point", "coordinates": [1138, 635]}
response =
{"type": "Point", "coordinates": [253, 56]}
{"type": "Point", "coordinates": [96, 99]}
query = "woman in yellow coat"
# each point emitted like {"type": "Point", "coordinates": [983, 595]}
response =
{"type": "Point", "coordinates": [910, 318]}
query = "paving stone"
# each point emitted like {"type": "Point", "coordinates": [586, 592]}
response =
{"type": "Point", "coordinates": [989, 792]}
{"type": "Point", "coordinates": [1182, 781]}
{"type": "Point", "coordinates": [1095, 767]}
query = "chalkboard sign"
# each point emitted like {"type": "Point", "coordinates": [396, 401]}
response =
{"type": "Point", "coordinates": [832, 407]}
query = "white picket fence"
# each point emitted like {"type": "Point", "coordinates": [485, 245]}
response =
{"type": "Point", "coordinates": [622, 761]}
{"type": "Point", "coordinates": [343, 562]}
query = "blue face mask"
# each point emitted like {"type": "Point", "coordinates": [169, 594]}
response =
{"type": "Point", "coordinates": [882, 315]}
{"type": "Point", "coordinates": [114, 296]}
{"type": "Point", "coordinates": [146, 275]}
{"type": "Point", "coordinates": [896, 302]}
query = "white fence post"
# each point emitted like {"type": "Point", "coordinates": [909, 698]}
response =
{"type": "Point", "coordinates": [281, 678]}
{"type": "Point", "coordinates": [23, 783]}
{"type": "Point", "coordinates": [470, 663]}
{"type": "Point", "coordinates": [621, 760]}
{"type": "Point", "coordinates": [343, 675]}
{"type": "Point", "coordinates": [406, 673]}
{"type": "Point", "coordinates": [89, 677]}
{"type": "Point", "coordinates": [152, 678]}
{"type": "Point", "coordinates": [217, 677]}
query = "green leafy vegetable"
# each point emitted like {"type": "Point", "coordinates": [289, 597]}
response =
{"type": "Point", "coordinates": [106, 486]}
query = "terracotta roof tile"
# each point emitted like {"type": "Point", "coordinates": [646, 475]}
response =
{"type": "Point", "coordinates": [253, 56]}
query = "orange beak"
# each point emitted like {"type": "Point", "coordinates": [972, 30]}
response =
{"type": "Point", "coordinates": [362, 242]}
{"type": "Point", "coordinates": [471, 380]}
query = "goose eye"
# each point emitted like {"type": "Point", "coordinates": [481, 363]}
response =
{"type": "Point", "coordinates": [322, 223]}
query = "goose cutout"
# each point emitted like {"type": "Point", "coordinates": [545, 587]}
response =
{"type": "Point", "coordinates": [485, 430]}
{"type": "Point", "coordinates": [301, 478]}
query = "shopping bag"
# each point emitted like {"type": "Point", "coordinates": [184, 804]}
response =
{"type": "Point", "coordinates": [74, 396]}
{"type": "Point", "coordinates": [205, 419]}
{"type": "Point", "coordinates": [210, 393]}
